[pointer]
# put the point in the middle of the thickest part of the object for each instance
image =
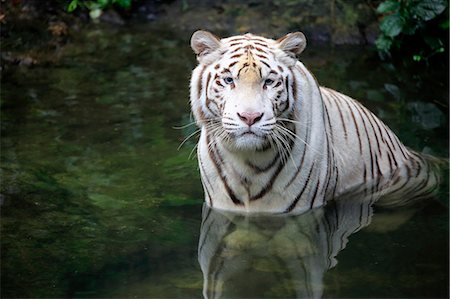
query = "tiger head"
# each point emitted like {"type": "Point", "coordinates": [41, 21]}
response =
{"type": "Point", "coordinates": [243, 87]}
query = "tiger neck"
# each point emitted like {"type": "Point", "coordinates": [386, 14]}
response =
{"type": "Point", "coordinates": [247, 163]}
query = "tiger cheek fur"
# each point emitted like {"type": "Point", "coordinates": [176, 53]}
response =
{"type": "Point", "coordinates": [272, 140]}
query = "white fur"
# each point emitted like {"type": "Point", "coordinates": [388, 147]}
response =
{"type": "Point", "coordinates": [337, 155]}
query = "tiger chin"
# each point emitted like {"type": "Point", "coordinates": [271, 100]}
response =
{"type": "Point", "coordinates": [274, 141]}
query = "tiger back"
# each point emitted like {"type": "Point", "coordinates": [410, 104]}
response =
{"type": "Point", "coordinates": [273, 141]}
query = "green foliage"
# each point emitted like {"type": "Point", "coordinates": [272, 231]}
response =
{"type": "Point", "coordinates": [96, 6]}
{"type": "Point", "coordinates": [404, 20]}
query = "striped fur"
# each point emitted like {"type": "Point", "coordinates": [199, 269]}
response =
{"type": "Point", "coordinates": [272, 140]}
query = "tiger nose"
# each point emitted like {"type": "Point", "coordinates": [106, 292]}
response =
{"type": "Point", "coordinates": [250, 117]}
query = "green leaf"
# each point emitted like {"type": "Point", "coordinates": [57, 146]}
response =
{"type": "Point", "coordinates": [383, 43]}
{"type": "Point", "coordinates": [417, 57]}
{"type": "Point", "coordinates": [388, 6]}
{"type": "Point", "coordinates": [392, 25]}
{"type": "Point", "coordinates": [434, 42]}
{"type": "Point", "coordinates": [72, 5]}
{"type": "Point", "coordinates": [123, 3]}
{"type": "Point", "coordinates": [428, 9]}
{"type": "Point", "coordinates": [103, 3]}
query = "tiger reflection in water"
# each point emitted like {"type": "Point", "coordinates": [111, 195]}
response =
{"type": "Point", "coordinates": [255, 256]}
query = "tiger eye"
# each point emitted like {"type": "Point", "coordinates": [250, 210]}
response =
{"type": "Point", "coordinates": [228, 80]}
{"type": "Point", "coordinates": [268, 82]}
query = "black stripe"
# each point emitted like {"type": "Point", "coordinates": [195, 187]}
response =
{"type": "Point", "coordinates": [308, 129]}
{"type": "Point", "coordinates": [261, 56]}
{"type": "Point", "coordinates": [257, 39]}
{"type": "Point", "coordinates": [217, 164]}
{"type": "Point", "coordinates": [233, 63]}
{"type": "Point", "coordinates": [294, 86]}
{"type": "Point", "coordinates": [329, 122]}
{"type": "Point", "coordinates": [261, 44]}
{"type": "Point", "coordinates": [341, 115]}
{"type": "Point", "coordinates": [356, 126]}
{"type": "Point", "coordinates": [235, 39]}
{"type": "Point", "coordinates": [330, 162]}
{"type": "Point", "coordinates": [336, 181]}
{"type": "Point", "coordinates": [260, 50]}
{"type": "Point", "coordinates": [400, 146]}
{"type": "Point", "coordinates": [373, 128]}
{"type": "Point", "coordinates": [288, 97]}
{"type": "Point", "coordinates": [372, 169]}
{"type": "Point", "coordinates": [315, 194]}
{"type": "Point", "coordinates": [265, 63]}
{"type": "Point", "coordinates": [269, 185]}
{"type": "Point", "coordinates": [207, 180]}
{"type": "Point", "coordinates": [297, 198]}
{"type": "Point", "coordinates": [258, 169]}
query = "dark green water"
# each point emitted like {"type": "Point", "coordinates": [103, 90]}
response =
{"type": "Point", "coordinates": [98, 202]}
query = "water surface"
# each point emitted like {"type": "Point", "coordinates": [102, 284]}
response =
{"type": "Point", "coordinates": [98, 202]}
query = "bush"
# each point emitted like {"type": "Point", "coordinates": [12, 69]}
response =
{"type": "Point", "coordinates": [408, 23]}
{"type": "Point", "coordinates": [97, 6]}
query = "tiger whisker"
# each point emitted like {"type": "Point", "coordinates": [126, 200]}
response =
{"type": "Point", "coordinates": [183, 126]}
{"type": "Point", "coordinates": [279, 149]}
{"type": "Point", "coordinates": [187, 138]}
{"type": "Point", "coordinates": [192, 151]}
{"type": "Point", "coordinates": [283, 146]}
{"type": "Point", "coordinates": [293, 135]}
{"type": "Point", "coordinates": [302, 123]}
{"type": "Point", "coordinates": [287, 147]}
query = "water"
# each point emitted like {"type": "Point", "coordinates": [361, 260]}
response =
{"type": "Point", "coordinates": [98, 202]}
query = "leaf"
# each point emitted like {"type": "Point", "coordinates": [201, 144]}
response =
{"type": "Point", "coordinates": [123, 3]}
{"type": "Point", "coordinates": [434, 42]}
{"type": "Point", "coordinates": [72, 5]}
{"type": "Point", "coordinates": [392, 25]}
{"type": "Point", "coordinates": [383, 43]}
{"type": "Point", "coordinates": [417, 57]}
{"type": "Point", "coordinates": [103, 3]}
{"type": "Point", "coordinates": [388, 6]}
{"type": "Point", "coordinates": [428, 9]}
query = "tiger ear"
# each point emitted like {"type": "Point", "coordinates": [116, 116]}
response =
{"type": "Point", "coordinates": [292, 43]}
{"type": "Point", "coordinates": [204, 43]}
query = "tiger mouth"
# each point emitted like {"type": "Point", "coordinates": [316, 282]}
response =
{"type": "Point", "coordinates": [249, 133]}
{"type": "Point", "coordinates": [248, 140]}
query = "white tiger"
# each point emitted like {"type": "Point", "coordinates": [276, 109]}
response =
{"type": "Point", "coordinates": [272, 140]}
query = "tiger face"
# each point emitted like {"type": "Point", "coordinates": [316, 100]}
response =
{"type": "Point", "coordinates": [243, 88]}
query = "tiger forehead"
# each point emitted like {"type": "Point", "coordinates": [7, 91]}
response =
{"type": "Point", "coordinates": [247, 39]}
{"type": "Point", "coordinates": [248, 43]}
{"type": "Point", "coordinates": [246, 55]}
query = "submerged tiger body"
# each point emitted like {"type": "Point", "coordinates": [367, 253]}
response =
{"type": "Point", "coordinates": [272, 140]}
